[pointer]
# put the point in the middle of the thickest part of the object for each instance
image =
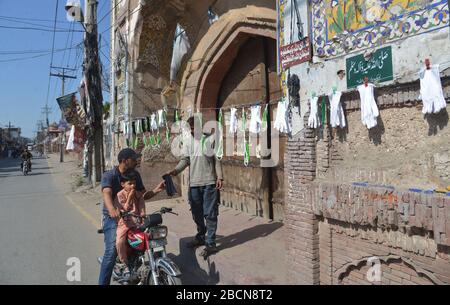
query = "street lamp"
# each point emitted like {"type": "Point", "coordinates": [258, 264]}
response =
{"type": "Point", "coordinates": [74, 11]}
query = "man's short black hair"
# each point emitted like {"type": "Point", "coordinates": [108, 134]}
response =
{"type": "Point", "coordinates": [128, 176]}
{"type": "Point", "coordinates": [127, 153]}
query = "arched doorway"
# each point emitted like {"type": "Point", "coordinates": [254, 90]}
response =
{"type": "Point", "coordinates": [246, 73]}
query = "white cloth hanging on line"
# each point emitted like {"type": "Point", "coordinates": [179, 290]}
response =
{"type": "Point", "coordinates": [181, 47]}
{"type": "Point", "coordinates": [255, 120]}
{"type": "Point", "coordinates": [282, 118]}
{"type": "Point", "coordinates": [337, 117]}
{"type": "Point", "coordinates": [153, 124]}
{"type": "Point", "coordinates": [313, 120]}
{"type": "Point", "coordinates": [161, 120]}
{"type": "Point", "coordinates": [233, 121]}
{"type": "Point", "coordinates": [71, 141]}
{"type": "Point", "coordinates": [431, 90]}
{"type": "Point", "coordinates": [139, 129]}
{"type": "Point", "coordinates": [125, 128]}
{"type": "Point", "coordinates": [369, 109]}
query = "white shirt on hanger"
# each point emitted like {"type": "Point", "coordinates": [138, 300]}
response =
{"type": "Point", "coordinates": [431, 90]}
{"type": "Point", "coordinates": [233, 121]}
{"type": "Point", "coordinates": [161, 120]}
{"type": "Point", "coordinates": [337, 117]}
{"type": "Point", "coordinates": [153, 124]}
{"type": "Point", "coordinates": [255, 120]}
{"type": "Point", "coordinates": [313, 120]}
{"type": "Point", "coordinates": [369, 109]}
{"type": "Point", "coordinates": [282, 118]}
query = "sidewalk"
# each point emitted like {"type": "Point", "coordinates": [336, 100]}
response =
{"type": "Point", "coordinates": [252, 250]}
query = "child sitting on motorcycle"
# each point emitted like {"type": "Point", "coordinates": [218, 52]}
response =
{"type": "Point", "coordinates": [128, 200]}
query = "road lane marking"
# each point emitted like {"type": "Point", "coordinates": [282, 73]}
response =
{"type": "Point", "coordinates": [82, 211]}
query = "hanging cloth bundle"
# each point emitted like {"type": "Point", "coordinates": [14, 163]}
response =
{"type": "Point", "coordinates": [313, 120]}
{"type": "Point", "coordinates": [233, 121]}
{"type": "Point", "coordinates": [153, 123]}
{"type": "Point", "coordinates": [161, 119]}
{"type": "Point", "coordinates": [282, 118]}
{"type": "Point", "coordinates": [255, 120]}
{"type": "Point", "coordinates": [337, 117]}
{"type": "Point", "coordinates": [431, 90]}
{"type": "Point", "coordinates": [369, 109]}
{"type": "Point", "coordinates": [176, 116]}
{"type": "Point", "coordinates": [219, 150]}
{"type": "Point", "coordinates": [246, 144]}
{"type": "Point", "coordinates": [139, 128]}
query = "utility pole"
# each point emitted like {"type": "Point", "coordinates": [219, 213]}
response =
{"type": "Point", "coordinates": [63, 76]}
{"type": "Point", "coordinates": [46, 110]}
{"type": "Point", "coordinates": [94, 90]}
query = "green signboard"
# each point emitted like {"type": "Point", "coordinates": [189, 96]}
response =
{"type": "Point", "coordinates": [378, 68]}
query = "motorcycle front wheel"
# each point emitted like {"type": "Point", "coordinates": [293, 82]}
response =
{"type": "Point", "coordinates": [164, 278]}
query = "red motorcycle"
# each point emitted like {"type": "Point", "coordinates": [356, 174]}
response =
{"type": "Point", "coordinates": [149, 261]}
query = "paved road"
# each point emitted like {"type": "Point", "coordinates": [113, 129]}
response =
{"type": "Point", "coordinates": [40, 230]}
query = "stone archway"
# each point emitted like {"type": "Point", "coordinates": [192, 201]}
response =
{"type": "Point", "coordinates": [216, 60]}
{"type": "Point", "coordinates": [217, 50]}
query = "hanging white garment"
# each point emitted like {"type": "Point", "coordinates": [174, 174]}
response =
{"type": "Point", "coordinates": [139, 129]}
{"type": "Point", "coordinates": [161, 120]}
{"type": "Point", "coordinates": [337, 117]}
{"type": "Point", "coordinates": [71, 141]}
{"type": "Point", "coordinates": [369, 109]}
{"type": "Point", "coordinates": [153, 124]}
{"type": "Point", "coordinates": [125, 128]}
{"type": "Point", "coordinates": [431, 90]}
{"type": "Point", "coordinates": [255, 120]}
{"type": "Point", "coordinates": [181, 47]}
{"type": "Point", "coordinates": [282, 118]}
{"type": "Point", "coordinates": [313, 120]}
{"type": "Point", "coordinates": [233, 121]}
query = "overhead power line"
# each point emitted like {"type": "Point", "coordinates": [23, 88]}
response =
{"type": "Point", "coordinates": [29, 57]}
{"type": "Point", "coordinates": [35, 29]}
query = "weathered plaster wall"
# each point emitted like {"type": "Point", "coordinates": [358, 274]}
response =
{"type": "Point", "coordinates": [408, 55]}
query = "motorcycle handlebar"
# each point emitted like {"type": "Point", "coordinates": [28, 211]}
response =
{"type": "Point", "coordinates": [163, 210]}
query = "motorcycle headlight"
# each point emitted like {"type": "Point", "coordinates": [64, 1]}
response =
{"type": "Point", "coordinates": [158, 232]}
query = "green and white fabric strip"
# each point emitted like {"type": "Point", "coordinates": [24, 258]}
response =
{"type": "Point", "coordinates": [264, 118]}
{"type": "Point", "coordinates": [219, 151]}
{"type": "Point", "coordinates": [246, 145]}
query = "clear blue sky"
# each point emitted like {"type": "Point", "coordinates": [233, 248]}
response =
{"type": "Point", "coordinates": [24, 83]}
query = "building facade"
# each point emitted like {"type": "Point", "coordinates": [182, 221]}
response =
{"type": "Point", "coordinates": [360, 200]}
{"type": "Point", "coordinates": [355, 201]}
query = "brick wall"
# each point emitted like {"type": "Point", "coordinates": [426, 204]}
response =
{"type": "Point", "coordinates": [339, 226]}
{"type": "Point", "coordinates": [301, 223]}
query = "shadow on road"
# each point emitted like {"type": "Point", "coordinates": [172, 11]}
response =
{"type": "Point", "coordinates": [37, 174]}
{"type": "Point", "coordinates": [188, 260]}
{"type": "Point", "coordinates": [45, 168]}
{"type": "Point", "coordinates": [246, 235]}
{"type": "Point", "coordinates": [191, 271]}
{"type": "Point", "coordinates": [10, 169]}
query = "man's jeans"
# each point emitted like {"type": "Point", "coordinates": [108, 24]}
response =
{"type": "Point", "coordinates": [109, 258]}
{"type": "Point", "coordinates": [205, 206]}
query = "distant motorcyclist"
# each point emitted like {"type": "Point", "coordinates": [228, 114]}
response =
{"type": "Point", "coordinates": [26, 155]}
